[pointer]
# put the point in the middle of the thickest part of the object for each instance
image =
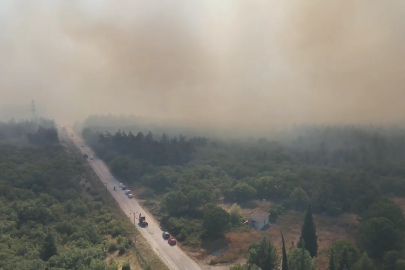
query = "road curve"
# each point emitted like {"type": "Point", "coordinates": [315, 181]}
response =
{"type": "Point", "coordinates": [172, 256]}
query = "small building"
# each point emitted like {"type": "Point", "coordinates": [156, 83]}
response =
{"type": "Point", "coordinates": [259, 220]}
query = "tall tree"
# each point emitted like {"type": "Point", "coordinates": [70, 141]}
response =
{"type": "Point", "coordinates": [390, 259]}
{"type": "Point", "coordinates": [400, 265]}
{"type": "Point", "coordinates": [264, 255]}
{"type": "Point", "coordinates": [215, 220]}
{"type": "Point", "coordinates": [332, 262]}
{"type": "Point", "coordinates": [285, 260]}
{"type": "Point", "coordinates": [300, 259]}
{"type": "Point", "coordinates": [344, 262]}
{"type": "Point", "coordinates": [48, 247]}
{"type": "Point", "coordinates": [346, 254]}
{"type": "Point", "coordinates": [365, 263]}
{"type": "Point", "coordinates": [379, 235]}
{"type": "Point", "coordinates": [308, 233]}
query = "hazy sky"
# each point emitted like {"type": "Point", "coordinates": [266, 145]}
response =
{"type": "Point", "coordinates": [227, 63]}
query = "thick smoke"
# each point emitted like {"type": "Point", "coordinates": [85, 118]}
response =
{"type": "Point", "coordinates": [250, 65]}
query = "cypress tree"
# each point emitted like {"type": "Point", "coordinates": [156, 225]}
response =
{"type": "Point", "coordinates": [285, 261]}
{"type": "Point", "coordinates": [308, 233]}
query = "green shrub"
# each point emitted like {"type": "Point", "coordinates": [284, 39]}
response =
{"type": "Point", "coordinates": [126, 266]}
{"type": "Point", "coordinates": [112, 247]}
{"type": "Point", "coordinates": [276, 211]}
{"type": "Point", "coordinates": [122, 250]}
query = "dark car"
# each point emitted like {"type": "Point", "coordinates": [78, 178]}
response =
{"type": "Point", "coordinates": [165, 235]}
{"type": "Point", "coordinates": [124, 187]}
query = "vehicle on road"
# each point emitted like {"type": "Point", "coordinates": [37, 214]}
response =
{"type": "Point", "coordinates": [121, 184]}
{"type": "Point", "coordinates": [130, 195]}
{"type": "Point", "coordinates": [165, 235]}
{"type": "Point", "coordinates": [142, 221]}
{"type": "Point", "coordinates": [127, 192]}
{"type": "Point", "coordinates": [123, 187]}
{"type": "Point", "coordinates": [91, 157]}
{"type": "Point", "coordinates": [172, 241]}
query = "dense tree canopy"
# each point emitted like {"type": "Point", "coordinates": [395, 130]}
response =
{"type": "Point", "coordinates": [47, 219]}
{"type": "Point", "coordinates": [215, 220]}
{"type": "Point", "coordinates": [345, 254]}
{"type": "Point", "coordinates": [379, 235]}
{"type": "Point", "coordinates": [338, 169]}
{"type": "Point", "coordinates": [364, 263]}
{"type": "Point", "coordinates": [300, 259]}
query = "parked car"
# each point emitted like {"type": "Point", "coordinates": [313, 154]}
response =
{"type": "Point", "coordinates": [121, 184]}
{"type": "Point", "coordinates": [127, 192]}
{"type": "Point", "coordinates": [130, 195]}
{"type": "Point", "coordinates": [172, 241]}
{"type": "Point", "coordinates": [165, 235]}
{"type": "Point", "coordinates": [124, 187]}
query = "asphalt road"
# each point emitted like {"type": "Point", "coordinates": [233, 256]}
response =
{"type": "Point", "coordinates": [173, 256]}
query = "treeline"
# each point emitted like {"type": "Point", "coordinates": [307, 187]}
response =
{"type": "Point", "coordinates": [38, 130]}
{"type": "Point", "coordinates": [48, 219]}
{"type": "Point", "coordinates": [165, 151]}
{"type": "Point", "coordinates": [347, 172]}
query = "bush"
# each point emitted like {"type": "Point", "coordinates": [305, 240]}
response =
{"type": "Point", "coordinates": [112, 247]}
{"type": "Point", "coordinates": [126, 266]}
{"type": "Point", "coordinates": [275, 212]}
{"type": "Point", "coordinates": [235, 214]}
{"type": "Point", "coordinates": [299, 199]}
{"type": "Point", "coordinates": [122, 250]}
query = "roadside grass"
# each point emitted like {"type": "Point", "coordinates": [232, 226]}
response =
{"type": "Point", "coordinates": [143, 252]}
{"type": "Point", "coordinates": [141, 255]}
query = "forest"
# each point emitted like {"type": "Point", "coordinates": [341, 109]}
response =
{"type": "Point", "coordinates": [335, 169]}
{"type": "Point", "coordinates": [48, 220]}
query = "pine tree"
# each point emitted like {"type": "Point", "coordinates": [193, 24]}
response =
{"type": "Point", "coordinates": [48, 248]}
{"type": "Point", "coordinates": [285, 261]}
{"type": "Point", "coordinates": [308, 233]}
{"type": "Point", "coordinates": [332, 262]}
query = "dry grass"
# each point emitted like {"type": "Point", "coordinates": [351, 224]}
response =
{"type": "Point", "coordinates": [328, 230]}
{"type": "Point", "coordinates": [400, 202]}
{"type": "Point", "coordinates": [143, 254]}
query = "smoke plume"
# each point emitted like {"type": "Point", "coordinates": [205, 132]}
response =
{"type": "Point", "coordinates": [250, 65]}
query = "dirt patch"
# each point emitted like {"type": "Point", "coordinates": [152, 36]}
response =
{"type": "Point", "coordinates": [400, 202]}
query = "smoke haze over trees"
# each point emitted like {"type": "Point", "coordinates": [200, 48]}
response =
{"type": "Point", "coordinates": [223, 64]}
